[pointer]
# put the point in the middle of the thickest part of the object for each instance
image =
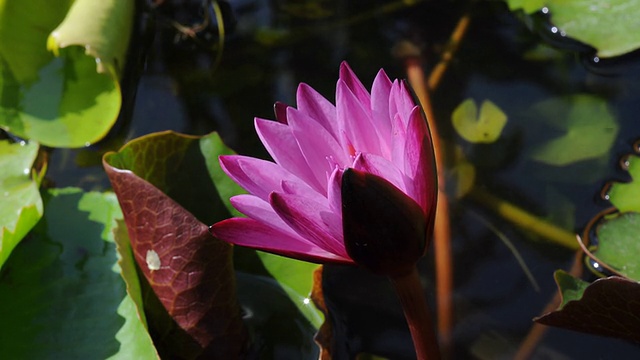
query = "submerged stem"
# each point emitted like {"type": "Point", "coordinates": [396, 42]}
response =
{"type": "Point", "coordinates": [417, 313]}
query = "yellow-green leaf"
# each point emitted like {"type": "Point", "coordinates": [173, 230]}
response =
{"type": "Point", "coordinates": [483, 128]}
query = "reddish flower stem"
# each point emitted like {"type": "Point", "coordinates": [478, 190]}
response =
{"type": "Point", "coordinates": [442, 231]}
{"type": "Point", "coordinates": [417, 313]}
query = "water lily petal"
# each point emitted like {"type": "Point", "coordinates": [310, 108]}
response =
{"type": "Point", "coordinates": [420, 164]}
{"type": "Point", "coordinates": [317, 107]}
{"type": "Point", "coordinates": [260, 210]}
{"type": "Point", "coordinates": [400, 101]}
{"type": "Point", "coordinates": [279, 141]}
{"type": "Point", "coordinates": [355, 119]}
{"type": "Point", "coordinates": [259, 177]}
{"type": "Point", "coordinates": [355, 85]}
{"type": "Point", "coordinates": [334, 192]}
{"type": "Point", "coordinates": [312, 220]}
{"type": "Point", "coordinates": [380, 111]}
{"type": "Point", "coordinates": [261, 236]}
{"type": "Point", "coordinates": [382, 167]}
{"type": "Point", "coordinates": [398, 140]}
{"type": "Point", "coordinates": [319, 148]}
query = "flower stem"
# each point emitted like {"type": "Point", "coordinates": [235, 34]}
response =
{"type": "Point", "coordinates": [417, 313]}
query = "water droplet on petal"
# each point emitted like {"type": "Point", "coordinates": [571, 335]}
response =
{"type": "Point", "coordinates": [554, 30]}
{"type": "Point", "coordinates": [545, 10]}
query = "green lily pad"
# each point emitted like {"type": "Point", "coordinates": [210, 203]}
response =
{"type": "Point", "coordinates": [61, 289]}
{"type": "Point", "coordinates": [589, 127]}
{"type": "Point", "coordinates": [626, 196]}
{"type": "Point", "coordinates": [611, 27]}
{"type": "Point", "coordinates": [529, 6]}
{"type": "Point", "coordinates": [607, 307]}
{"type": "Point", "coordinates": [21, 203]}
{"type": "Point", "coordinates": [483, 128]}
{"type": "Point", "coordinates": [619, 244]}
{"type": "Point", "coordinates": [59, 65]}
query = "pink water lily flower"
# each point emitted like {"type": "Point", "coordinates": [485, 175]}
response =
{"type": "Point", "coordinates": [294, 206]}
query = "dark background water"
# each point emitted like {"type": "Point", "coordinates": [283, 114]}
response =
{"type": "Point", "coordinates": [271, 46]}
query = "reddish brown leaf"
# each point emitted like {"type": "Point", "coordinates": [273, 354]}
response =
{"type": "Point", "coordinates": [190, 271]}
{"type": "Point", "coordinates": [608, 307]}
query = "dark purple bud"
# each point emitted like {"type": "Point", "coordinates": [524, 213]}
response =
{"type": "Point", "coordinates": [384, 229]}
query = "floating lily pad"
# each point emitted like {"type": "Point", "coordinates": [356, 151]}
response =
{"type": "Point", "coordinates": [485, 127]}
{"type": "Point", "coordinates": [612, 27]}
{"type": "Point", "coordinates": [619, 244]}
{"type": "Point", "coordinates": [589, 127]}
{"type": "Point", "coordinates": [59, 66]}
{"type": "Point", "coordinates": [529, 6]}
{"type": "Point", "coordinates": [61, 289]}
{"type": "Point", "coordinates": [21, 203]}
{"type": "Point", "coordinates": [626, 196]}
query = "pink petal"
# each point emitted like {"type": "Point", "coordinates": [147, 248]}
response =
{"type": "Point", "coordinates": [311, 220]}
{"type": "Point", "coordinates": [257, 235]}
{"type": "Point", "coordinates": [355, 119]}
{"type": "Point", "coordinates": [382, 167]}
{"type": "Point", "coordinates": [380, 111]}
{"type": "Point", "coordinates": [400, 101]}
{"type": "Point", "coordinates": [334, 192]}
{"type": "Point", "coordinates": [416, 131]}
{"type": "Point", "coordinates": [353, 83]}
{"type": "Point", "coordinates": [398, 139]}
{"type": "Point", "coordinates": [420, 163]}
{"type": "Point", "coordinates": [319, 148]}
{"type": "Point", "coordinates": [258, 177]}
{"type": "Point", "coordinates": [317, 107]}
{"type": "Point", "coordinates": [260, 210]}
{"type": "Point", "coordinates": [279, 141]}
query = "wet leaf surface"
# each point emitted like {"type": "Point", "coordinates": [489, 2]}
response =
{"type": "Point", "coordinates": [21, 203]}
{"type": "Point", "coordinates": [619, 243]}
{"type": "Point", "coordinates": [607, 307]}
{"type": "Point", "coordinates": [61, 292]}
{"type": "Point", "coordinates": [611, 27]}
{"type": "Point", "coordinates": [626, 196]}
{"type": "Point", "coordinates": [190, 271]}
{"type": "Point", "coordinates": [61, 87]}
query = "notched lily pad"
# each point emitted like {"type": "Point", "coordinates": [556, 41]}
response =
{"type": "Point", "coordinates": [626, 196]}
{"type": "Point", "coordinates": [162, 183]}
{"type": "Point", "coordinates": [607, 307]}
{"type": "Point", "coordinates": [589, 127]}
{"type": "Point", "coordinates": [21, 202]}
{"type": "Point", "coordinates": [68, 96]}
{"type": "Point", "coordinates": [484, 127]}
